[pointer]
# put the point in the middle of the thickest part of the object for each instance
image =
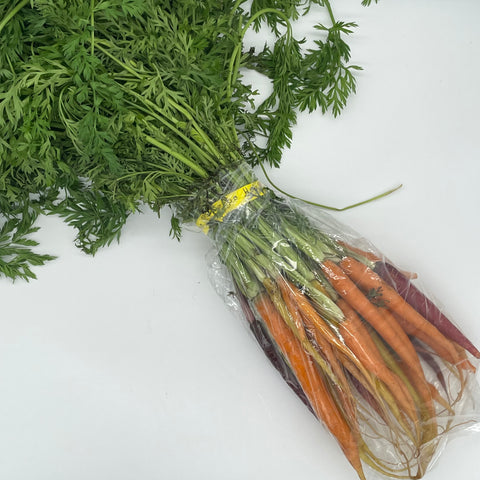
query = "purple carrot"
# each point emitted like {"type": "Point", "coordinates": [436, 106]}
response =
{"type": "Point", "coordinates": [266, 343]}
{"type": "Point", "coordinates": [423, 305]}
{"type": "Point", "coordinates": [278, 361]}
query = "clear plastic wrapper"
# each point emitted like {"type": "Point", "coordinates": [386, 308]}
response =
{"type": "Point", "coordinates": [373, 357]}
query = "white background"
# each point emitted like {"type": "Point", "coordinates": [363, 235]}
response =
{"type": "Point", "coordinates": [129, 366]}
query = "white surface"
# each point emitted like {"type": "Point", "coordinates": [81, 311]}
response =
{"type": "Point", "coordinates": [128, 366]}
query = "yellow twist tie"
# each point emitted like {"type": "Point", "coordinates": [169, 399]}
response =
{"type": "Point", "coordinates": [230, 202]}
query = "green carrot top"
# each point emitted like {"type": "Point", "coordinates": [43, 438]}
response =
{"type": "Point", "coordinates": [109, 105]}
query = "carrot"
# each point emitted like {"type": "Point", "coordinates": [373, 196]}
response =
{"type": "Point", "coordinates": [287, 290]}
{"type": "Point", "coordinates": [372, 257]}
{"type": "Point", "coordinates": [266, 343]}
{"type": "Point", "coordinates": [371, 367]}
{"type": "Point", "coordinates": [278, 361]}
{"type": "Point", "coordinates": [385, 400]}
{"type": "Point", "coordinates": [391, 332]}
{"type": "Point", "coordinates": [410, 330]}
{"type": "Point", "coordinates": [417, 378]}
{"type": "Point", "coordinates": [298, 329]}
{"type": "Point", "coordinates": [424, 306]}
{"type": "Point", "coordinates": [357, 338]}
{"type": "Point", "coordinates": [309, 314]}
{"type": "Point", "coordinates": [418, 326]}
{"type": "Point", "coordinates": [311, 381]}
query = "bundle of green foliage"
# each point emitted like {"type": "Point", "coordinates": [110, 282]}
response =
{"type": "Point", "coordinates": [108, 105]}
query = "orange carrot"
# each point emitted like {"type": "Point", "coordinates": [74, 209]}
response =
{"type": "Point", "coordinates": [423, 305]}
{"type": "Point", "coordinates": [391, 332]}
{"type": "Point", "coordinates": [287, 290]}
{"type": "Point", "coordinates": [374, 258]}
{"type": "Point", "coordinates": [463, 361]}
{"type": "Point", "coordinates": [357, 338]}
{"type": "Point", "coordinates": [417, 325]}
{"type": "Point", "coordinates": [309, 314]}
{"type": "Point", "coordinates": [416, 377]}
{"type": "Point", "coordinates": [311, 381]}
{"type": "Point", "coordinates": [398, 391]}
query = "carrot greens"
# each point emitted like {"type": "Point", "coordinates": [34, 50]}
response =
{"type": "Point", "coordinates": [110, 106]}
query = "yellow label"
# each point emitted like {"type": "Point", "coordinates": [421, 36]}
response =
{"type": "Point", "coordinates": [232, 201]}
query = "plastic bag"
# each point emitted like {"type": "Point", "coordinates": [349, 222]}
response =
{"type": "Point", "coordinates": [369, 353]}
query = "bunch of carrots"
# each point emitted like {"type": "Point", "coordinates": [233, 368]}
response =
{"type": "Point", "coordinates": [371, 356]}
